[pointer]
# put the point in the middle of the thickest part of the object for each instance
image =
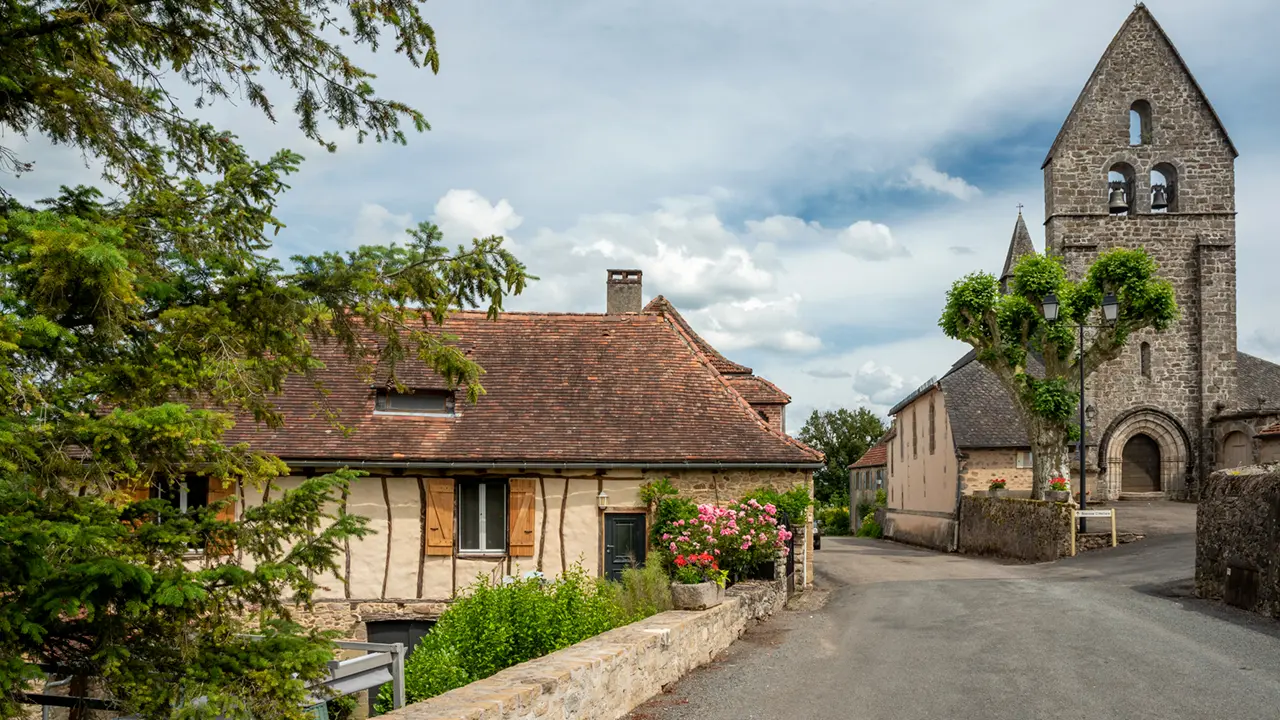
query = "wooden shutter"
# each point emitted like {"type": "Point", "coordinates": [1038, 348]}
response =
{"type": "Point", "coordinates": [218, 491]}
{"type": "Point", "coordinates": [439, 539]}
{"type": "Point", "coordinates": [140, 492]}
{"type": "Point", "coordinates": [521, 513]}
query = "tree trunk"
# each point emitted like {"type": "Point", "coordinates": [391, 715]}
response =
{"type": "Point", "coordinates": [1049, 458]}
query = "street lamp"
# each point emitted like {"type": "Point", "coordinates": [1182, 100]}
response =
{"type": "Point", "coordinates": [1110, 310]}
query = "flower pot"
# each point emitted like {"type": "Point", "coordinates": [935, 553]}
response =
{"type": "Point", "coordinates": [699, 596]}
{"type": "Point", "coordinates": [1057, 495]}
{"type": "Point", "coordinates": [997, 492]}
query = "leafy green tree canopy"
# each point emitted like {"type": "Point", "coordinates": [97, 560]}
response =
{"type": "Point", "coordinates": [134, 332]}
{"type": "Point", "coordinates": [1008, 330]}
{"type": "Point", "coordinates": [112, 77]}
{"type": "Point", "coordinates": [843, 435]}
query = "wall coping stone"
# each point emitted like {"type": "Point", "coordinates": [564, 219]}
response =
{"type": "Point", "coordinates": [608, 675]}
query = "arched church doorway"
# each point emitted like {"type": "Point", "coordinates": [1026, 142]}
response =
{"type": "Point", "coordinates": [1235, 450]}
{"type": "Point", "coordinates": [1141, 469]}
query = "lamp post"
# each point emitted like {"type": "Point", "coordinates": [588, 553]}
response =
{"type": "Point", "coordinates": [1110, 309]}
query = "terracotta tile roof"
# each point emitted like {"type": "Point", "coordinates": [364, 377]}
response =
{"type": "Point", "coordinates": [1269, 431]}
{"type": "Point", "coordinates": [757, 391]}
{"type": "Point", "coordinates": [583, 388]}
{"type": "Point", "coordinates": [875, 456]}
{"type": "Point", "coordinates": [662, 305]}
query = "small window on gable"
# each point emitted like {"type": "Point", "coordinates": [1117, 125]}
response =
{"type": "Point", "coordinates": [414, 402]}
{"type": "Point", "coordinates": [1145, 357]}
{"type": "Point", "coordinates": [1140, 123]}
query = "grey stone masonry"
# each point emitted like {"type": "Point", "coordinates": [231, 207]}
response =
{"type": "Point", "coordinates": [1191, 367]}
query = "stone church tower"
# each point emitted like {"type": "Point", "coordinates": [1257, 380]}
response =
{"type": "Point", "coordinates": [1143, 161]}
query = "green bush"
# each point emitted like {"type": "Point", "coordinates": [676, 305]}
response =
{"type": "Point", "coordinates": [870, 528]}
{"type": "Point", "coordinates": [495, 626]}
{"type": "Point", "coordinates": [668, 507]}
{"type": "Point", "coordinates": [793, 502]}
{"type": "Point", "coordinates": [863, 509]}
{"type": "Point", "coordinates": [882, 498]}
{"type": "Point", "coordinates": [835, 521]}
{"type": "Point", "coordinates": [642, 591]}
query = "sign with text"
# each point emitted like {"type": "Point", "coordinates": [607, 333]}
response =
{"type": "Point", "coordinates": [1094, 513]}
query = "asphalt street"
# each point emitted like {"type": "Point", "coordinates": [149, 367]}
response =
{"type": "Point", "coordinates": [896, 632]}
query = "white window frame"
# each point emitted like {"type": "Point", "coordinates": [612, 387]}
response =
{"type": "Point", "coordinates": [1024, 460]}
{"type": "Point", "coordinates": [485, 486]}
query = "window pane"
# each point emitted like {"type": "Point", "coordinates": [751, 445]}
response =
{"type": "Point", "coordinates": [469, 516]}
{"type": "Point", "coordinates": [197, 492]}
{"type": "Point", "coordinates": [423, 401]}
{"type": "Point", "coordinates": [495, 500]}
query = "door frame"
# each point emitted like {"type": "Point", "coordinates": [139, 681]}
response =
{"type": "Point", "coordinates": [620, 510]}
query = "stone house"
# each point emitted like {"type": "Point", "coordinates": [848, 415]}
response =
{"type": "Point", "coordinates": [867, 474]}
{"type": "Point", "coordinates": [544, 471]}
{"type": "Point", "coordinates": [1269, 444]}
{"type": "Point", "coordinates": [1142, 160]}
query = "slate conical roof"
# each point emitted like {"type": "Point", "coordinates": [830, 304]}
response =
{"type": "Point", "coordinates": [1020, 245]}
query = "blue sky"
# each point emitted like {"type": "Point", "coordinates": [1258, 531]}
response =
{"type": "Point", "coordinates": [804, 179]}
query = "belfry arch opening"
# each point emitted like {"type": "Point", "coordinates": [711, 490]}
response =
{"type": "Point", "coordinates": [1120, 185]}
{"type": "Point", "coordinates": [1164, 188]}
{"type": "Point", "coordinates": [1140, 123]}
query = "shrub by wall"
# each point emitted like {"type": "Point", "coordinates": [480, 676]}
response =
{"type": "Point", "coordinates": [1015, 528]}
{"type": "Point", "coordinates": [1238, 539]}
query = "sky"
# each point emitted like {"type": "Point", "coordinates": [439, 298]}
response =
{"type": "Point", "coordinates": [804, 180]}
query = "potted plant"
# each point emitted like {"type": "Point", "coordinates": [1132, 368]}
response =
{"type": "Point", "coordinates": [699, 582]}
{"type": "Point", "coordinates": [1059, 490]}
{"type": "Point", "coordinates": [996, 489]}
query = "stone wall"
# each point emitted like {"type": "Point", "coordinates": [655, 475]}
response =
{"type": "Point", "coordinates": [1238, 539]}
{"type": "Point", "coordinates": [1015, 528]}
{"type": "Point", "coordinates": [979, 467]}
{"type": "Point", "coordinates": [608, 675]}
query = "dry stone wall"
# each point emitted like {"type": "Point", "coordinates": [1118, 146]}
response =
{"type": "Point", "coordinates": [1032, 530]}
{"type": "Point", "coordinates": [605, 677]}
{"type": "Point", "coordinates": [1238, 539]}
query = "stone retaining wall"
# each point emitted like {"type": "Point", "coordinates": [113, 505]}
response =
{"type": "Point", "coordinates": [1238, 539]}
{"type": "Point", "coordinates": [1033, 530]}
{"type": "Point", "coordinates": [607, 676]}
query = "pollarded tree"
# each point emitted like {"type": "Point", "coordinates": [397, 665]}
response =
{"type": "Point", "coordinates": [1007, 330]}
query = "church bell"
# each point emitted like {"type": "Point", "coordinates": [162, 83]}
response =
{"type": "Point", "coordinates": [1159, 197]}
{"type": "Point", "coordinates": [1117, 201]}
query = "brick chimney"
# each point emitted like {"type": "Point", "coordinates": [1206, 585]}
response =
{"type": "Point", "coordinates": [624, 292]}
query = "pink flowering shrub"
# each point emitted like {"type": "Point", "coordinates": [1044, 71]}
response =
{"type": "Point", "coordinates": [739, 537]}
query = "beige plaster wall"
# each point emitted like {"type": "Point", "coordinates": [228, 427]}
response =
{"type": "Point", "coordinates": [389, 576]}
{"type": "Point", "coordinates": [979, 467]}
{"type": "Point", "coordinates": [922, 478]}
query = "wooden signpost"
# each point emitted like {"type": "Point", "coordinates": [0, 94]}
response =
{"type": "Point", "coordinates": [1107, 512]}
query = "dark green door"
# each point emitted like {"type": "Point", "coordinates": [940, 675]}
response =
{"type": "Point", "coordinates": [624, 543]}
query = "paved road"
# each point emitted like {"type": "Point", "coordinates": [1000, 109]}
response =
{"type": "Point", "coordinates": [908, 634]}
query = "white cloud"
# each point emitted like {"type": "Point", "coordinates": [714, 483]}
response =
{"type": "Point", "coordinates": [879, 383]}
{"type": "Point", "coordinates": [754, 323]}
{"type": "Point", "coordinates": [924, 175]}
{"type": "Point", "coordinates": [465, 214]}
{"type": "Point", "coordinates": [376, 225]}
{"type": "Point", "coordinates": [870, 241]}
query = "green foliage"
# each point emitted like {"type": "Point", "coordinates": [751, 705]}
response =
{"type": "Point", "coordinates": [794, 502]}
{"type": "Point", "coordinates": [109, 591]}
{"type": "Point", "coordinates": [882, 498]}
{"type": "Point", "coordinates": [1007, 330]}
{"type": "Point", "coordinates": [869, 527]}
{"type": "Point", "coordinates": [843, 436]}
{"type": "Point", "coordinates": [93, 76]}
{"type": "Point", "coordinates": [495, 626]}
{"type": "Point", "coordinates": [343, 707]}
{"type": "Point", "coordinates": [835, 521]}
{"type": "Point", "coordinates": [667, 506]}
{"type": "Point", "coordinates": [641, 591]}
